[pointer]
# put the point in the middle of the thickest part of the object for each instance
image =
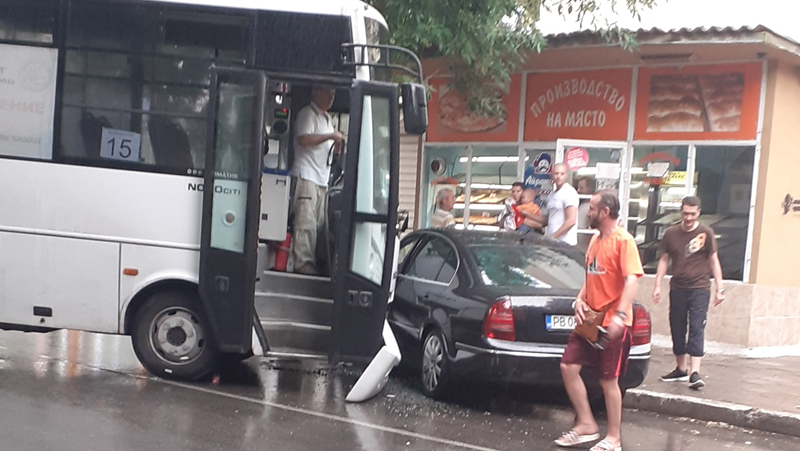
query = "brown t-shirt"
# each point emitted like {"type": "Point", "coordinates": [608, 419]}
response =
{"type": "Point", "coordinates": [690, 253]}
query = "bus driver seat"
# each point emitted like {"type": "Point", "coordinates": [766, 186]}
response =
{"type": "Point", "coordinates": [92, 133]}
{"type": "Point", "coordinates": [170, 142]}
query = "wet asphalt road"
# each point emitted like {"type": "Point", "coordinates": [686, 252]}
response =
{"type": "Point", "coordinates": [76, 391]}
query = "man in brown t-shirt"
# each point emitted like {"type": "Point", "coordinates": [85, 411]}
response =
{"type": "Point", "coordinates": [693, 250]}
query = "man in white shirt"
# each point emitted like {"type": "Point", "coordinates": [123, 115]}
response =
{"type": "Point", "coordinates": [315, 138]}
{"type": "Point", "coordinates": [562, 208]}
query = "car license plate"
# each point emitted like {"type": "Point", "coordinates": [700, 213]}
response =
{"type": "Point", "coordinates": [560, 322]}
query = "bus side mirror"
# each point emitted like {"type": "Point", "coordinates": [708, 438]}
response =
{"type": "Point", "coordinates": [415, 108]}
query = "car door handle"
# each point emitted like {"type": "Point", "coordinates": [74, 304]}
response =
{"type": "Point", "coordinates": [426, 297]}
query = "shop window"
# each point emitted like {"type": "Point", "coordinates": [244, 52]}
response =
{"type": "Point", "coordinates": [494, 170]}
{"type": "Point", "coordinates": [28, 21]}
{"type": "Point", "coordinates": [724, 184]}
{"type": "Point", "coordinates": [133, 73]}
{"type": "Point", "coordinates": [444, 168]}
{"type": "Point", "coordinates": [658, 184]}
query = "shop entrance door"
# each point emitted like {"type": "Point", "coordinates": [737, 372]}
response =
{"type": "Point", "coordinates": [594, 166]}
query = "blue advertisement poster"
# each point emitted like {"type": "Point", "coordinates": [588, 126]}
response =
{"type": "Point", "coordinates": [537, 177]}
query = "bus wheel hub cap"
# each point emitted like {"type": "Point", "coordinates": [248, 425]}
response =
{"type": "Point", "coordinates": [178, 337]}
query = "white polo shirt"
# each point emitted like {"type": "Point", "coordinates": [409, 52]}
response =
{"type": "Point", "coordinates": [311, 163]}
{"type": "Point", "coordinates": [557, 205]}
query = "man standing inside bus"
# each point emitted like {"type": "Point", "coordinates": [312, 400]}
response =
{"type": "Point", "coordinates": [315, 138]}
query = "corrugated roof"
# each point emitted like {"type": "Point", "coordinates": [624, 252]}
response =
{"type": "Point", "coordinates": [759, 33]}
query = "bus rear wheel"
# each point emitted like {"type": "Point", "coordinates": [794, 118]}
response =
{"type": "Point", "coordinates": [172, 337]}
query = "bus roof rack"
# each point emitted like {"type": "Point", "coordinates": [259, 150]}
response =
{"type": "Point", "coordinates": [350, 51]}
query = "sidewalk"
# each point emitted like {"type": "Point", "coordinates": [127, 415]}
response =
{"type": "Point", "coordinates": [741, 390]}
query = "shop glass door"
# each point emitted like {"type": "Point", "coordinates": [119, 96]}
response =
{"type": "Point", "coordinates": [659, 182]}
{"type": "Point", "coordinates": [595, 166]}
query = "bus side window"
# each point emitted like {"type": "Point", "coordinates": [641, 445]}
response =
{"type": "Point", "coordinates": [138, 74]}
{"type": "Point", "coordinates": [31, 22]}
{"type": "Point", "coordinates": [28, 78]}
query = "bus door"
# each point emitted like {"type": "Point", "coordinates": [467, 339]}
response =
{"type": "Point", "coordinates": [231, 205]}
{"type": "Point", "coordinates": [366, 238]}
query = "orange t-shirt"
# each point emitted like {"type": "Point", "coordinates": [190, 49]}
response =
{"type": "Point", "coordinates": [530, 208]}
{"type": "Point", "coordinates": [608, 261]}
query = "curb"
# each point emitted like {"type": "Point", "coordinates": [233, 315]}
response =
{"type": "Point", "coordinates": [705, 410]}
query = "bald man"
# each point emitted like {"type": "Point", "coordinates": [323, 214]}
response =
{"type": "Point", "coordinates": [562, 208]}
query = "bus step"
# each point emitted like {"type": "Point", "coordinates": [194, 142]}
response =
{"type": "Point", "coordinates": [295, 284]}
{"type": "Point", "coordinates": [297, 337]}
{"type": "Point", "coordinates": [294, 308]}
{"type": "Point", "coordinates": [288, 354]}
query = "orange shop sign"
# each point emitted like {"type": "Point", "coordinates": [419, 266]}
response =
{"type": "Point", "coordinates": [450, 119]}
{"type": "Point", "coordinates": [578, 105]}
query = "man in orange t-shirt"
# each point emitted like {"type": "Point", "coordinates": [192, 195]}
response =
{"type": "Point", "coordinates": [613, 269]}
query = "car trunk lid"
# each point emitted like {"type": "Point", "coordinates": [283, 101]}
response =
{"type": "Point", "coordinates": [543, 319]}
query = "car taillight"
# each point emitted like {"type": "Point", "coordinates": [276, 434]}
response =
{"type": "Point", "coordinates": [641, 326]}
{"type": "Point", "coordinates": [499, 323]}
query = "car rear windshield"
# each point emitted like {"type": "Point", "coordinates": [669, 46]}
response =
{"type": "Point", "coordinates": [532, 266]}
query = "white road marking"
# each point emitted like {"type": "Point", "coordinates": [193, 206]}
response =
{"type": "Point", "coordinates": [330, 417]}
{"type": "Point", "coordinates": [285, 407]}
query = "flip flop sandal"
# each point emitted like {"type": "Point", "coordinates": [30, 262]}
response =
{"type": "Point", "coordinates": [603, 445]}
{"type": "Point", "coordinates": [572, 438]}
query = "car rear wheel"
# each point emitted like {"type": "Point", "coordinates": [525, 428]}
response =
{"type": "Point", "coordinates": [434, 371]}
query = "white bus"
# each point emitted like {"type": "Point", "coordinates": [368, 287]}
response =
{"type": "Point", "coordinates": [112, 115]}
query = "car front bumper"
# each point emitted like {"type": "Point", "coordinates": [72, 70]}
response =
{"type": "Point", "coordinates": [533, 364]}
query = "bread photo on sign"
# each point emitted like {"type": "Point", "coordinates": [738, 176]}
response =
{"type": "Point", "coordinates": [455, 115]}
{"type": "Point", "coordinates": [675, 104]}
{"type": "Point", "coordinates": [723, 95]}
{"type": "Point", "coordinates": [695, 103]}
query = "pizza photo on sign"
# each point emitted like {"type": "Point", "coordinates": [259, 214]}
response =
{"type": "Point", "coordinates": [696, 103]}
{"type": "Point", "coordinates": [455, 115]}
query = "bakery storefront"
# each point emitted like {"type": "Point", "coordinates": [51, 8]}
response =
{"type": "Point", "coordinates": [704, 112]}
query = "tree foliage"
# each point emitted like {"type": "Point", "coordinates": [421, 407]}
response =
{"type": "Point", "coordinates": [484, 41]}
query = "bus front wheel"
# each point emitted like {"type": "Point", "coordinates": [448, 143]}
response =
{"type": "Point", "coordinates": [172, 337]}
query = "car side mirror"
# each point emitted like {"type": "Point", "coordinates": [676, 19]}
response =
{"type": "Point", "coordinates": [415, 108]}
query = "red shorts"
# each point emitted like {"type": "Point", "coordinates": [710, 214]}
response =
{"type": "Point", "coordinates": [609, 363]}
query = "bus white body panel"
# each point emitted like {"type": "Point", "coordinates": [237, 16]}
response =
{"type": "Point", "coordinates": [100, 204]}
{"type": "Point", "coordinates": [81, 239]}
{"type": "Point", "coordinates": [75, 278]}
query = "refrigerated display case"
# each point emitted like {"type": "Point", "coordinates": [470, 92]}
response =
{"type": "Point", "coordinates": [486, 203]}
{"type": "Point", "coordinates": [493, 171]}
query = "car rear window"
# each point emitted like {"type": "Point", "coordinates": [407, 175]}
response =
{"type": "Point", "coordinates": [521, 265]}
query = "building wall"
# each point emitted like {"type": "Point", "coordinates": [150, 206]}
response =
{"type": "Point", "coordinates": [410, 148]}
{"type": "Point", "coordinates": [751, 315]}
{"type": "Point", "coordinates": [776, 247]}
